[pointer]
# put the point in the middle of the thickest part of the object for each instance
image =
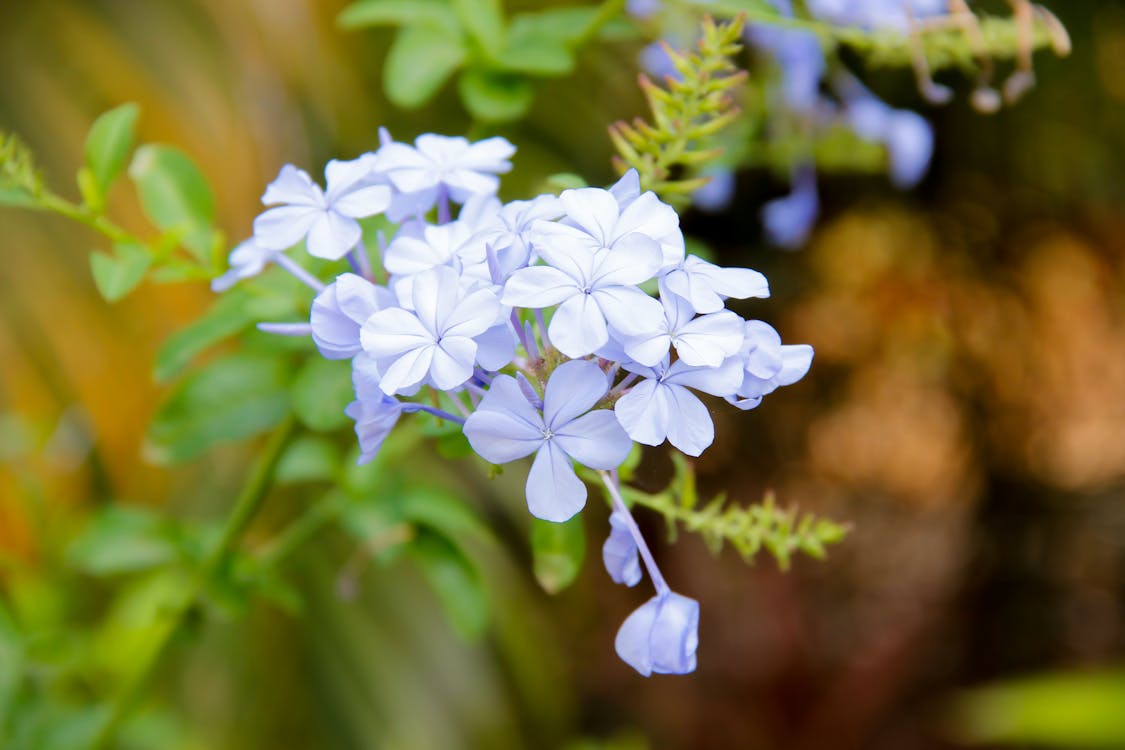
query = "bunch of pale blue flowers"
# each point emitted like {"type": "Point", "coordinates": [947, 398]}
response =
{"type": "Point", "coordinates": [531, 325]}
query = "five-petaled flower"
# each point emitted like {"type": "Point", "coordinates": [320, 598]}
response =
{"type": "Point", "coordinates": [506, 427]}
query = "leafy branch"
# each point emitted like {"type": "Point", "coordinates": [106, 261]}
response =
{"type": "Point", "coordinates": [172, 191]}
{"type": "Point", "coordinates": [668, 152]}
{"type": "Point", "coordinates": [780, 531]}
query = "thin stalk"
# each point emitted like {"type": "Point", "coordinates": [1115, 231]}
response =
{"type": "Point", "coordinates": [658, 581]}
{"type": "Point", "coordinates": [246, 508]}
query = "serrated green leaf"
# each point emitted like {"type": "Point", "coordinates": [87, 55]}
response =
{"type": "Point", "coordinates": [454, 579]}
{"type": "Point", "coordinates": [230, 399]}
{"type": "Point", "coordinates": [321, 392]}
{"type": "Point", "coordinates": [484, 20]}
{"type": "Point", "coordinates": [558, 550]}
{"type": "Point", "coordinates": [122, 539]}
{"type": "Point", "coordinates": [367, 13]}
{"type": "Point", "coordinates": [108, 144]}
{"type": "Point", "coordinates": [118, 274]}
{"type": "Point", "coordinates": [420, 61]}
{"type": "Point", "coordinates": [175, 196]}
{"type": "Point", "coordinates": [495, 97]}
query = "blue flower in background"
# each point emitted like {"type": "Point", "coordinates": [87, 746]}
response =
{"type": "Point", "coordinates": [506, 427]}
{"type": "Point", "coordinates": [789, 220]}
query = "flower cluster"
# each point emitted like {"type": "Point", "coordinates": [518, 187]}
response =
{"type": "Point", "coordinates": [529, 324]}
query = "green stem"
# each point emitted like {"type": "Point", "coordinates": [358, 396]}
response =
{"type": "Point", "coordinates": [608, 11]}
{"type": "Point", "coordinates": [319, 514]}
{"type": "Point", "coordinates": [97, 222]}
{"type": "Point", "coordinates": [246, 508]}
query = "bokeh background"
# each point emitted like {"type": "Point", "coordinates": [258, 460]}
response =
{"type": "Point", "coordinates": [965, 413]}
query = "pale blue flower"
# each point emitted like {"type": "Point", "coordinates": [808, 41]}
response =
{"type": "Point", "coordinates": [374, 412]}
{"type": "Point", "coordinates": [340, 311]}
{"type": "Point", "coordinates": [876, 14]}
{"type": "Point", "coordinates": [703, 341]}
{"type": "Point", "coordinates": [767, 364]}
{"type": "Point", "coordinates": [661, 407]}
{"type": "Point", "coordinates": [506, 427]}
{"type": "Point", "coordinates": [433, 342]}
{"type": "Point", "coordinates": [437, 163]}
{"type": "Point", "coordinates": [789, 219]}
{"type": "Point", "coordinates": [718, 194]}
{"type": "Point", "coordinates": [619, 553]}
{"type": "Point", "coordinates": [438, 246]}
{"type": "Point", "coordinates": [799, 56]}
{"type": "Point", "coordinates": [509, 231]}
{"type": "Point", "coordinates": [660, 221]}
{"type": "Point", "coordinates": [706, 285]}
{"type": "Point", "coordinates": [907, 136]}
{"type": "Point", "coordinates": [326, 220]}
{"type": "Point", "coordinates": [661, 636]}
{"type": "Point", "coordinates": [248, 259]}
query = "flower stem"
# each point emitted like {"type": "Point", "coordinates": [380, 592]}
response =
{"type": "Point", "coordinates": [658, 581]}
{"type": "Point", "coordinates": [246, 508]}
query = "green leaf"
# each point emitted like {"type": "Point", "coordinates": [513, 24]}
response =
{"type": "Point", "coordinates": [443, 512]}
{"type": "Point", "coordinates": [420, 61]}
{"type": "Point", "coordinates": [309, 458]}
{"type": "Point", "coordinates": [484, 20]}
{"type": "Point", "coordinates": [175, 196]}
{"type": "Point", "coordinates": [398, 13]}
{"type": "Point", "coordinates": [1055, 710]}
{"type": "Point", "coordinates": [565, 25]}
{"type": "Point", "coordinates": [495, 97]}
{"type": "Point", "coordinates": [558, 550]}
{"type": "Point", "coordinates": [536, 53]}
{"type": "Point", "coordinates": [226, 317]}
{"type": "Point", "coordinates": [122, 539]}
{"type": "Point", "coordinates": [321, 392]}
{"type": "Point", "coordinates": [108, 144]}
{"type": "Point", "coordinates": [230, 399]}
{"type": "Point", "coordinates": [118, 274]}
{"type": "Point", "coordinates": [455, 580]}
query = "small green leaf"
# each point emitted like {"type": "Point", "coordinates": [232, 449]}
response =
{"type": "Point", "coordinates": [398, 13]}
{"type": "Point", "coordinates": [118, 274]}
{"type": "Point", "coordinates": [566, 25]}
{"type": "Point", "coordinates": [536, 53]}
{"type": "Point", "coordinates": [558, 550]}
{"type": "Point", "coordinates": [175, 196]}
{"type": "Point", "coordinates": [455, 580]}
{"type": "Point", "coordinates": [321, 392]}
{"type": "Point", "coordinates": [420, 61]}
{"type": "Point", "coordinates": [122, 539]}
{"type": "Point", "coordinates": [484, 20]}
{"type": "Point", "coordinates": [230, 399]}
{"type": "Point", "coordinates": [309, 458]}
{"type": "Point", "coordinates": [226, 317]}
{"type": "Point", "coordinates": [107, 146]}
{"type": "Point", "coordinates": [495, 97]}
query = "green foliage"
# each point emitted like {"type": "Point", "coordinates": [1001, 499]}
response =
{"type": "Point", "coordinates": [119, 273]}
{"type": "Point", "coordinates": [229, 399]}
{"type": "Point", "coordinates": [107, 150]}
{"type": "Point", "coordinates": [322, 390]}
{"type": "Point", "coordinates": [1058, 710]}
{"type": "Point", "coordinates": [496, 58]}
{"type": "Point", "coordinates": [686, 115]}
{"type": "Point", "coordinates": [176, 197]}
{"type": "Point", "coordinates": [558, 550]}
{"type": "Point", "coordinates": [123, 539]}
{"type": "Point", "coordinates": [21, 184]}
{"type": "Point", "coordinates": [781, 532]}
